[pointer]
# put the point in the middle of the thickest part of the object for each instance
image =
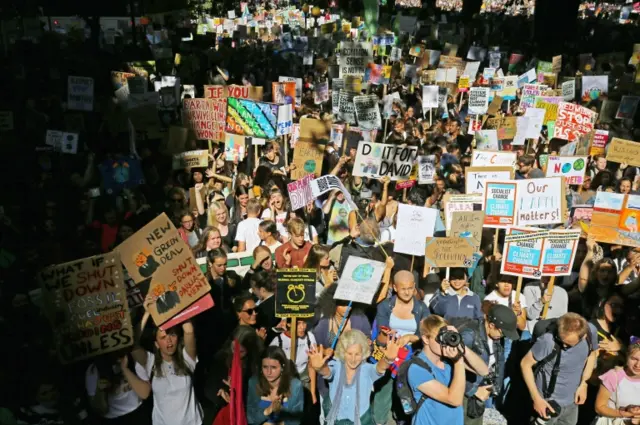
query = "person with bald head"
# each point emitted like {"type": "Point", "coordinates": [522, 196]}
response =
{"type": "Point", "coordinates": [402, 313]}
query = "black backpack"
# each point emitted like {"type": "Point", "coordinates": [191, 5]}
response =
{"type": "Point", "coordinates": [551, 326]}
{"type": "Point", "coordinates": [409, 404]}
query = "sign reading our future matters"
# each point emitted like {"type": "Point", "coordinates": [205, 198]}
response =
{"type": "Point", "coordinates": [359, 280]}
{"type": "Point", "coordinates": [378, 160]}
{"type": "Point", "coordinates": [157, 258]}
{"type": "Point", "coordinates": [86, 303]}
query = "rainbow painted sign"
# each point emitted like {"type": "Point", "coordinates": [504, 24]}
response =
{"type": "Point", "coordinates": [251, 118]}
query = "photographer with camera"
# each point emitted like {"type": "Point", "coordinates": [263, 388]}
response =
{"type": "Point", "coordinates": [436, 376]}
{"type": "Point", "coordinates": [557, 368]}
{"type": "Point", "coordinates": [487, 337]}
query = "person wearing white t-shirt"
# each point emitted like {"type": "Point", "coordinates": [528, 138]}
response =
{"type": "Point", "coordinates": [170, 369]}
{"type": "Point", "coordinates": [116, 392]}
{"type": "Point", "coordinates": [506, 296]}
{"type": "Point", "coordinates": [277, 210]}
{"type": "Point", "coordinates": [304, 341]}
{"type": "Point", "coordinates": [268, 233]}
{"type": "Point", "coordinates": [247, 231]}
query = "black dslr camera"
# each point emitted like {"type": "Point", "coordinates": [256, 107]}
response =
{"type": "Point", "coordinates": [449, 338]}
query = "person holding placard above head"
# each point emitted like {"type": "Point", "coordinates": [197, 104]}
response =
{"type": "Point", "coordinates": [455, 299]}
{"type": "Point", "coordinates": [350, 377]}
{"type": "Point", "coordinates": [506, 296]}
{"type": "Point", "coordinates": [170, 369]}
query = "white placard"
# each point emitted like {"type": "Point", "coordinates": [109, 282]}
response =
{"type": "Point", "coordinates": [378, 160]}
{"type": "Point", "coordinates": [539, 201]}
{"type": "Point", "coordinates": [478, 100]}
{"type": "Point", "coordinates": [80, 93]}
{"type": "Point", "coordinates": [359, 280]}
{"type": "Point", "coordinates": [491, 158]}
{"type": "Point", "coordinates": [415, 224]}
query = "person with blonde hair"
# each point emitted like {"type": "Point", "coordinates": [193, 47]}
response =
{"type": "Point", "coordinates": [350, 377]}
{"type": "Point", "coordinates": [437, 375]}
{"type": "Point", "coordinates": [618, 399]}
{"type": "Point", "coordinates": [247, 232]}
{"type": "Point", "coordinates": [218, 217]}
{"type": "Point", "coordinates": [294, 252]}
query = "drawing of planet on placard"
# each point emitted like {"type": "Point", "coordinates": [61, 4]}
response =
{"type": "Point", "coordinates": [578, 164]}
{"type": "Point", "coordinates": [362, 273]}
{"type": "Point", "coordinates": [309, 166]}
{"type": "Point", "coordinates": [566, 167]}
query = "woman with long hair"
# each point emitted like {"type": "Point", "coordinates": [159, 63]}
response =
{"type": "Point", "coordinates": [238, 211]}
{"type": "Point", "coordinates": [170, 370]}
{"type": "Point", "coordinates": [218, 216]}
{"type": "Point", "coordinates": [327, 275]}
{"type": "Point", "coordinates": [216, 391]}
{"type": "Point", "coordinates": [188, 230]}
{"type": "Point", "coordinates": [268, 232]}
{"type": "Point", "coordinates": [115, 392]}
{"type": "Point", "coordinates": [617, 397]}
{"type": "Point", "coordinates": [277, 207]}
{"type": "Point", "coordinates": [210, 239]}
{"type": "Point", "coordinates": [350, 377]}
{"type": "Point", "coordinates": [275, 396]}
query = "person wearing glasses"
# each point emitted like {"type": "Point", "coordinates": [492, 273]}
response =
{"type": "Point", "coordinates": [247, 313]}
{"type": "Point", "coordinates": [188, 230]}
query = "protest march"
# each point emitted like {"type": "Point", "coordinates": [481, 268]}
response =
{"type": "Point", "coordinates": [369, 213]}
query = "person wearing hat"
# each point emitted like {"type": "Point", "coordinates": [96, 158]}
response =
{"type": "Point", "coordinates": [486, 337]}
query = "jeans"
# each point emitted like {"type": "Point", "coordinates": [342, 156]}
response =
{"type": "Point", "coordinates": [568, 416]}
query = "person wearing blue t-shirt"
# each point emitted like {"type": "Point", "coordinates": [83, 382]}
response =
{"type": "Point", "coordinates": [439, 390]}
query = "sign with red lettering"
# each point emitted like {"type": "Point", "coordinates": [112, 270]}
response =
{"type": "Point", "coordinates": [86, 303]}
{"type": "Point", "coordinates": [240, 92]}
{"type": "Point", "coordinates": [482, 158]}
{"type": "Point", "coordinates": [573, 121]}
{"type": "Point", "coordinates": [570, 167]}
{"type": "Point", "coordinates": [159, 261]}
{"type": "Point", "coordinates": [205, 117]}
{"type": "Point", "coordinates": [600, 139]}
{"type": "Point", "coordinates": [500, 204]}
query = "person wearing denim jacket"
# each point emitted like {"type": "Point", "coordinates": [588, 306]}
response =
{"type": "Point", "coordinates": [498, 324]}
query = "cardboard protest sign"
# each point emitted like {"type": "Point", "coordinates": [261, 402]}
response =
{"type": "Point", "coordinates": [239, 92]}
{"type": "Point", "coordinates": [508, 127]}
{"type": "Point", "coordinates": [157, 258]}
{"type": "Point", "coordinates": [235, 147]}
{"type": "Point", "coordinates": [550, 105]}
{"type": "Point", "coordinates": [251, 118]}
{"type": "Point", "coordinates": [379, 160]}
{"type": "Point", "coordinates": [594, 87]}
{"type": "Point", "coordinates": [571, 168]}
{"type": "Point", "coordinates": [321, 93]}
{"type": "Point", "coordinates": [573, 121]}
{"type": "Point", "coordinates": [346, 107]}
{"type": "Point", "coordinates": [493, 158]}
{"type": "Point", "coordinates": [624, 151]}
{"type": "Point", "coordinates": [478, 100]}
{"type": "Point", "coordinates": [426, 169]}
{"type": "Point", "coordinates": [295, 293]}
{"type": "Point", "coordinates": [487, 140]}
{"type": "Point", "coordinates": [359, 280]}
{"type": "Point", "coordinates": [459, 203]}
{"type": "Point", "coordinates": [463, 83]}
{"type": "Point", "coordinates": [522, 252]}
{"type": "Point", "coordinates": [429, 97]}
{"type": "Point", "coordinates": [191, 159]}
{"type": "Point", "coordinates": [86, 302]}
{"type": "Point", "coordinates": [205, 118]}
{"type": "Point", "coordinates": [449, 252]}
{"type": "Point", "coordinates": [413, 227]}
{"type": "Point", "coordinates": [309, 151]}
{"type": "Point", "coordinates": [300, 192]}
{"type": "Point", "coordinates": [559, 252]}
{"type": "Point", "coordinates": [495, 105]}
{"type": "Point", "coordinates": [367, 112]}
{"type": "Point", "coordinates": [500, 204]}
{"type": "Point", "coordinates": [284, 93]}
{"type": "Point", "coordinates": [569, 90]}
{"type": "Point", "coordinates": [628, 106]}
{"type": "Point", "coordinates": [600, 139]}
{"type": "Point", "coordinates": [62, 141]}
{"type": "Point", "coordinates": [449, 62]}
{"type": "Point", "coordinates": [324, 184]}
{"type": "Point", "coordinates": [510, 87]}
{"type": "Point", "coordinates": [615, 219]}
{"type": "Point", "coordinates": [541, 201]}
{"type": "Point", "coordinates": [80, 93]}
{"type": "Point", "coordinates": [468, 224]}
{"type": "Point", "coordinates": [529, 94]}
{"type": "Point", "coordinates": [354, 57]}
{"type": "Point", "coordinates": [475, 177]}
{"type": "Point", "coordinates": [285, 119]}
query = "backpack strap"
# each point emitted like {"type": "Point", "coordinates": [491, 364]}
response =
{"type": "Point", "coordinates": [554, 373]}
{"type": "Point", "coordinates": [421, 363]}
{"type": "Point", "coordinates": [279, 341]}
{"type": "Point", "coordinates": [540, 365]}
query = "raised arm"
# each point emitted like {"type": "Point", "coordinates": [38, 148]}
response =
{"type": "Point", "coordinates": [141, 387]}
{"type": "Point", "coordinates": [585, 268]}
{"type": "Point", "coordinates": [189, 339]}
{"type": "Point", "coordinates": [386, 280]}
{"type": "Point", "coordinates": [453, 395]}
{"type": "Point", "coordinates": [199, 201]}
